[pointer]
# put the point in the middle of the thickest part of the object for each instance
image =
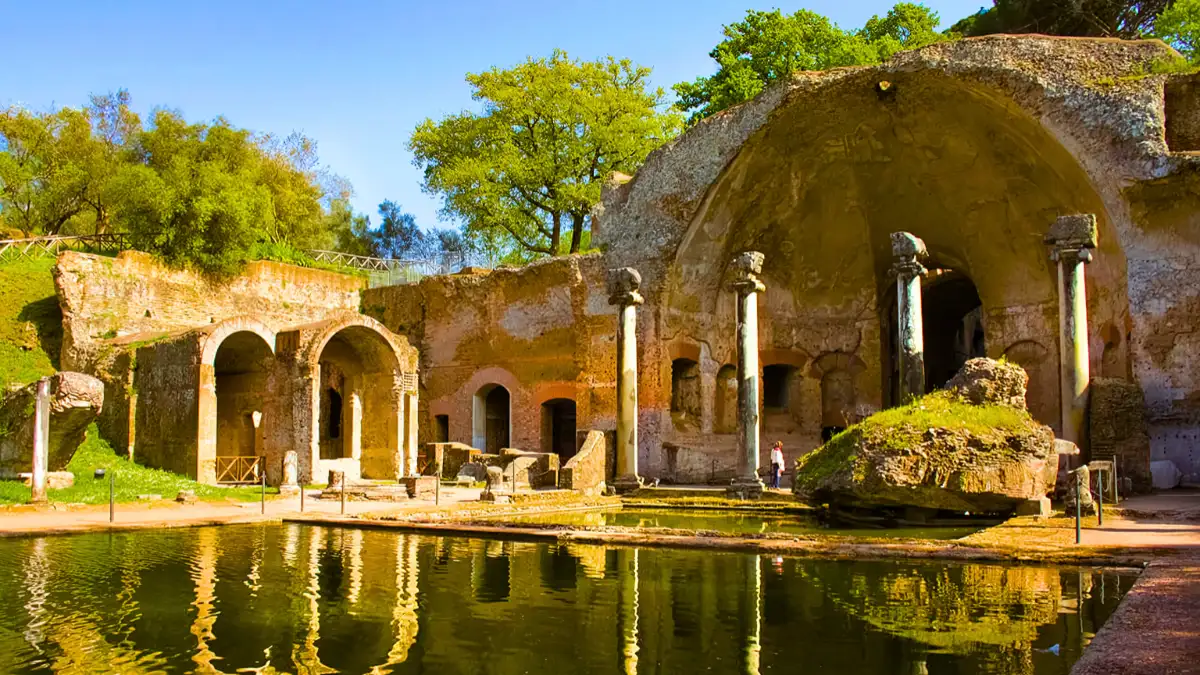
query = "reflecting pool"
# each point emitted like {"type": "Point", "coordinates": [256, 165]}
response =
{"type": "Point", "coordinates": [728, 522]}
{"type": "Point", "coordinates": [300, 599]}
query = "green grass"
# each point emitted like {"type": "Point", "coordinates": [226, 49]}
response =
{"type": "Point", "coordinates": [901, 428]}
{"type": "Point", "coordinates": [30, 321]}
{"type": "Point", "coordinates": [131, 480]}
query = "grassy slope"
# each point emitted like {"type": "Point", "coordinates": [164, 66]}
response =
{"type": "Point", "coordinates": [30, 341]}
{"type": "Point", "coordinates": [30, 322]}
{"type": "Point", "coordinates": [903, 427]}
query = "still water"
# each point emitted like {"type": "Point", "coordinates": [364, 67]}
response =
{"type": "Point", "coordinates": [728, 522]}
{"type": "Point", "coordinates": [299, 599]}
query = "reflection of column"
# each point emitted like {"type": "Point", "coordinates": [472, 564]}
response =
{"type": "Point", "coordinates": [41, 440]}
{"type": "Point", "coordinates": [746, 269]}
{"type": "Point", "coordinates": [627, 610]}
{"type": "Point", "coordinates": [907, 253]}
{"type": "Point", "coordinates": [752, 611]}
{"type": "Point", "coordinates": [356, 566]}
{"type": "Point", "coordinates": [37, 573]}
{"type": "Point", "coordinates": [204, 580]}
{"type": "Point", "coordinates": [291, 541]}
{"type": "Point", "coordinates": [1072, 239]}
{"type": "Point", "coordinates": [305, 656]}
{"type": "Point", "coordinates": [623, 285]}
{"type": "Point", "coordinates": [404, 609]}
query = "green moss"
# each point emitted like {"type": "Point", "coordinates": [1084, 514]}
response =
{"type": "Point", "coordinates": [30, 321]}
{"type": "Point", "coordinates": [901, 428]}
{"type": "Point", "coordinates": [131, 480]}
{"type": "Point", "coordinates": [1166, 65]}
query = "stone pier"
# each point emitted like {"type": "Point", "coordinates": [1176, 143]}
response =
{"type": "Point", "coordinates": [746, 269]}
{"type": "Point", "coordinates": [41, 441]}
{"type": "Point", "coordinates": [907, 253]}
{"type": "Point", "coordinates": [623, 285]}
{"type": "Point", "coordinates": [1072, 239]}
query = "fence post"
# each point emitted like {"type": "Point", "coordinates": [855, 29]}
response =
{"type": "Point", "coordinates": [112, 497]}
{"type": "Point", "coordinates": [301, 496]}
{"type": "Point", "coordinates": [1078, 510]}
{"type": "Point", "coordinates": [343, 494]}
{"type": "Point", "coordinates": [263, 493]}
{"type": "Point", "coordinates": [1100, 503]}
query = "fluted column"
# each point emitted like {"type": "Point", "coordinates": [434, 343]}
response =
{"type": "Point", "coordinates": [907, 253]}
{"type": "Point", "coordinates": [41, 441]}
{"type": "Point", "coordinates": [623, 285]}
{"type": "Point", "coordinates": [746, 269]}
{"type": "Point", "coordinates": [1072, 239]}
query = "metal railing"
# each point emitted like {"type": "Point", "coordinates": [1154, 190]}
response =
{"type": "Point", "coordinates": [43, 247]}
{"type": "Point", "coordinates": [382, 271]}
{"type": "Point", "coordinates": [239, 470]}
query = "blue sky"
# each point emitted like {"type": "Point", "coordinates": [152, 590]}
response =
{"type": "Point", "coordinates": [355, 76]}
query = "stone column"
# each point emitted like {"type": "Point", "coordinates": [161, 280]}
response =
{"type": "Point", "coordinates": [41, 441]}
{"type": "Point", "coordinates": [1072, 239]}
{"type": "Point", "coordinates": [907, 253]}
{"type": "Point", "coordinates": [623, 285]}
{"type": "Point", "coordinates": [746, 268]}
{"type": "Point", "coordinates": [289, 485]}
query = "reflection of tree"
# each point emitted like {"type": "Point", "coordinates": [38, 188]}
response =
{"type": "Point", "coordinates": [953, 609]}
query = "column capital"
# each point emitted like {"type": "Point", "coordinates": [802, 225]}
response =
{"type": "Point", "coordinates": [623, 285]}
{"type": "Point", "coordinates": [1073, 237]}
{"type": "Point", "coordinates": [907, 253]}
{"type": "Point", "coordinates": [746, 268]}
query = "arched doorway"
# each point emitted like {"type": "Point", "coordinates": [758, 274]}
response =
{"type": "Point", "coordinates": [558, 427]}
{"type": "Point", "coordinates": [725, 408]}
{"type": "Point", "coordinates": [492, 419]}
{"type": "Point", "coordinates": [685, 394]}
{"type": "Point", "coordinates": [954, 331]}
{"type": "Point", "coordinates": [357, 412]}
{"type": "Point", "coordinates": [240, 376]}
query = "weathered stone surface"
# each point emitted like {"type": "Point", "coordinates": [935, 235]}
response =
{"type": "Point", "coordinates": [473, 471]}
{"type": "Point", "coordinates": [987, 381]}
{"type": "Point", "coordinates": [586, 471]}
{"type": "Point", "coordinates": [495, 479]}
{"type": "Point", "coordinates": [1087, 503]}
{"type": "Point", "coordinates": [939, 453]}
{"type": "Point", "coordinates": [1117, 428]}
{"type": "Point", "coordinates": [55, 480]}
{"type": "Point", "coordinates": [420, 487]}
{"type": "Point", "coordinates": [75, 401]}
{"type": "Point", "coordinates": [186, 497]}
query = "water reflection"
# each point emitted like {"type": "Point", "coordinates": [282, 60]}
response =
{"type": "Point", "coordinates": [274, 599]}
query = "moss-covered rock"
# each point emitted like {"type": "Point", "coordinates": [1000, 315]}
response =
{"type": "Point", "coordinates": [990, 382]}
{"type": "Point", "coordinates": [938, 452]}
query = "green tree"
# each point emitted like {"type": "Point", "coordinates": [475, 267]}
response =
{"type": "Point", "coordinates": [1179, 26]}
{"type": "Point", "coordinates": [766, 47]}
{"type": "Point", "coordinates": [44, 178]}
{"type": "Point", "coordinates": [531, 163]}
{"type": "Point", "coordinates": [1080, 18]}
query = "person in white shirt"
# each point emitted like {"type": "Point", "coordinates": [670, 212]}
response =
{"type": "Point", "coordinates": [776, 464]}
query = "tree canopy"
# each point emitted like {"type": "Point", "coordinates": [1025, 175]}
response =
{"type": "Point", "coordinates": [768, 46]}
{"type": "Point", "coordinates": [525, 172]}
{"type": "Point", "coordinates": [1179, 26]}
{"type": "Point", "coordinates": [1081, 18]}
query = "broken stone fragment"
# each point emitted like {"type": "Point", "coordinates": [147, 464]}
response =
{"type": "Point", "coordinates": [75, 401]}
{"type": "Point", "coordinates": [990, 382]}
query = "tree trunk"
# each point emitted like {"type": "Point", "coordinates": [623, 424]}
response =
{"type": "Point", "coordinates": [556, 234]}
{"type": "Point", "coordinates": [576, 232]}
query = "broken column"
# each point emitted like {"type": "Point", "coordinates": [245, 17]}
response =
{"type": "Point", "coordinates": [1072, 239]}
{"type": "Point", "coordinates": [291, 466]}
{"type": "Point", "coordinates": [746, 268]}
{"type": "Point", "coordinates": [623, 285]}
{"type": "Point", "coordinates": [41, 441]}
{"type": "Point", "coordinates": [907, 253]}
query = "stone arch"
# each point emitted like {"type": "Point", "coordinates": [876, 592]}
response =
{"type": "Point", "coordinates": [835, 169]}
{"type": "Point", "coordinates": [491, 418]}
{"type": "Point", "coordinates": [361, 361]}
{"type": "Point", "coordinates": [725, 403]}
{"type": "Point", "coordinates": [558, 405]}
{"type": "Point", "coordinates": [236, 367]}
{"type": "Point", "coordinates": [837, 372]}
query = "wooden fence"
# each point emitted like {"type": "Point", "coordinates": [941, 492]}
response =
{"type": "Point", "coordinates": [47, 247]}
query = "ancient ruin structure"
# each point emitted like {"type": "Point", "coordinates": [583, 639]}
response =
{"type": "Point", "coordinates": [976, 149]}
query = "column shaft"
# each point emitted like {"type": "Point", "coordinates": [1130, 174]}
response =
{"type": "Point", "coordinates": [912, 337]}
{"type": "Point", "coordinates": [1073, 345]}
{"type": "Point", "coordinates": [41, 440]}
{"type": "Point", "coordinates": [627, 406]}
{"type": "Point", "coordinates": [747, 359]}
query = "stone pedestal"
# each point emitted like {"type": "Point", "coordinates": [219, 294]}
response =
{"type": "Point", "coordinates": [41, 441]}
{"type": "Point", "coordinates": [291, 467]}
{"type": "Point", "coordinates": [746, 269]}
{"type": "Point", "coordinates": [623, 285]}
{"type": "Point", "coordinates": [335, 479]}
{"type": "Point", "coordinates": [420, 487]}
{"type": "Point", "coordinates": [907, 253]}
{"type": "Point", "coordinates": [1072, 239]}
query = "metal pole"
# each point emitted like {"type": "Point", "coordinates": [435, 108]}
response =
{"type": "Point", "coordinates": [1079, 512]}
{"type": "Point", "coordinates": [1100, 504]}
{"type": "Point", "coordinates": [343, 494]}
{"type": "Point", "coordinates": [263, 496]}
{"type": "Point", "coordinates": [1116, 483]}
{"type": "Point", "coordinates": [437, 487]}
{"type": "Point", "coordinates": [112, 498]}
{"type": "Point", "coordinates": [301, 496]}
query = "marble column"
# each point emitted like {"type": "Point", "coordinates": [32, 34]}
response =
{"type": "Point", "coordinates": [41, 441]}
{"type": "Point", "coordinates": [746, 269]}
{"type": "Point", "coordinates": [907, 253]}
{"type": "Point", "coordinates": [1071, 239]}
{"type": "Point", "coordinates": [623, 285]}
{"type": "Point", "coordinates": [289, 484]}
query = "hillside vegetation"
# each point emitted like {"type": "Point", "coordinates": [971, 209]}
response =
{"type": "Point", "coordinates": [30, 322]}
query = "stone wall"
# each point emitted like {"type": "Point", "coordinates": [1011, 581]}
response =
{"type": "Point", "coordinates": [587, 471]}
{"type": "Point", "coordinates": [1118, 428]}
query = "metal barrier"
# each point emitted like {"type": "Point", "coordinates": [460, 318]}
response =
{"type": "Point", "coordinates": [381, 271]}
{"type": "Point", "coordinates": [239, 470]}
{"type": "Point", "coordinates": [34, 248]}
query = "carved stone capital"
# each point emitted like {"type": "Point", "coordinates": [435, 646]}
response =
{"type": "Point", "coordinates": [907, 253]}
{"type": "Point", "coordinates": [1073, 237]}
{"type": "Point", "coordinates": [745, 271]}
{"type": "Point", "coordinates": [623, 285]}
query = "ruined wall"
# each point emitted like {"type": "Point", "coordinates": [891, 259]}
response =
{"type": "Point", "coordinates": [542, 332]}
{"type": "Point", "coordinates": [167, 414]}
